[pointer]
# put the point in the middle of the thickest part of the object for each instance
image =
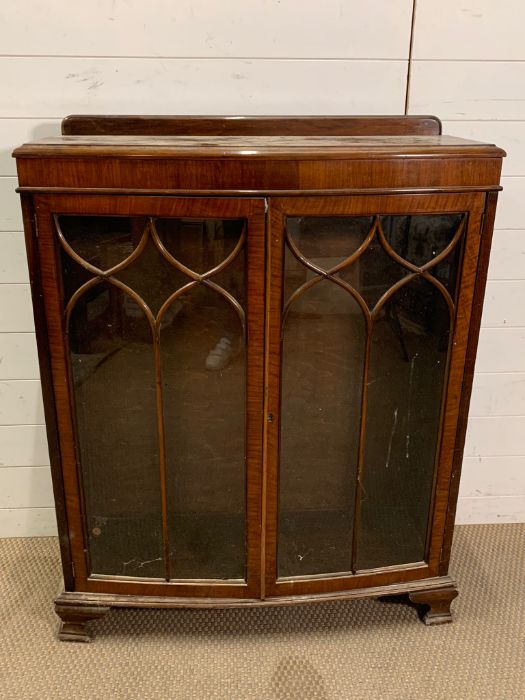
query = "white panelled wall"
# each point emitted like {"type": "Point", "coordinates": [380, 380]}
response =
{"type": "Point", "coordinates": [468, 67]}
{"type": "Point", "coordinates": [269, 57]}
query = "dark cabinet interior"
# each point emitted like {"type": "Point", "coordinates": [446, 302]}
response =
{"type": "Point", "coordinates": [256, 354]}
{"type": "Point", "coordinates": [365, 349]}
{"type": "Point", "coordinates": [154, 321]}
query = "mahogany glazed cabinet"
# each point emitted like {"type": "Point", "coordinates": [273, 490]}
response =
{"type": "Point", "coordinates": [257, 340]}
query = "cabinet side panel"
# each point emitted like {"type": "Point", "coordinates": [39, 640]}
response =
{"type": "Point", "coordinates": [452, 406]}
{"type": "Point", "coordinates": [52, 307]}
{"type": "Point", "coordinates": [46, 378]}
{"type": "Point", "coordinates": [47, 388]}
{"type": "Point", "coordinates": [468, 375]}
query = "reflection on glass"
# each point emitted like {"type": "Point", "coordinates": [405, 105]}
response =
{"type": "Point", "coordinates": [405, 384]}
{"type": "Point", "coordinates": [114, 393]}
{"type": "Point", "coordinates": [152, 277]}
{"type": "Point", "coordinates": [419, 239]}
{"type": "Point", "coordinates": [327, 240]}
{"type": "Point", "coordinates": [199, 244]}
{"type": "Point", "coordinates": [323, 355]}
{"type": "Point", "coordinates": [204, 376]}
{"type": "Point", "coordinates": [102, 241]}
{"type": "Point", "coordinates": [409, 350]}
{"type": "Point", "coordinates": [323, 346]}
{"type": "Point", "coordinates": [373, 273]}
{"type": "Point", "coordinates": [202, 363]}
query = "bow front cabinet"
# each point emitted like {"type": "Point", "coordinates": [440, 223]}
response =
{"type": "Point", "coordinates": [257, 341]}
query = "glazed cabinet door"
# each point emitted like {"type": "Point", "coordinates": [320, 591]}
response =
{"type": "Point", "coordinates": [155, 314]}
{"type": "Point", "coordinates": [369, 308]}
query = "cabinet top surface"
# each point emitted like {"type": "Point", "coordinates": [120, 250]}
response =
{"type": "Point", "coordinates": [248, 147]}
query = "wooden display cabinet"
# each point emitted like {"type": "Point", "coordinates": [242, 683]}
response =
{"type": "Point", "coordinates": [257, 341]}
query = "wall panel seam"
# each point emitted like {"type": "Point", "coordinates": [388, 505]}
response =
{"type": "Point", "coordinates": [110, 57]}
{"type": "Point", "coordinates": [410, 49]}
{"type": "Point", "coordinates": [26, 466]}
{"type": "Point", "coordinates": [28, 508]}
{"type": "Point", "coordinates": [468, 60]}
{"type": "Point", "coordinates": [482, 498]}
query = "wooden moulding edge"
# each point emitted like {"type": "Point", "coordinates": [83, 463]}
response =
{"type": "Point", "coordinates": [78, 598]}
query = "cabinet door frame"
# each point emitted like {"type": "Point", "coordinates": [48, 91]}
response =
{"type": "Point", "coordinates": [48, 278]}
{"type": "Point", "coordinates": [366, 205]}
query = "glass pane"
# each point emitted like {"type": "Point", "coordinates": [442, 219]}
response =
{"type": "Point", "coordinates": [419, 239]}
{"type": "Point", "coordinates": [323, 354]}
{"type": "Point", "coordinates": [327, 240]}
{"type": "Point", "coordinates": [73, 275]}
{"type": "Point", "coordinates": [102, 241]}
{"type": "Point", "coordinates": [114, 394]}
{"type": "Point", "coordinates": [199, 244]}
{"type": "Point", "coordinates": [373, 273]}
{"type": "Point", "coordinates": [322, 365]}
{"type": "Point", "coordinates": [202, 364]}
{"type": "Point", "coordinates": [409, 351]}
{"type": "Point", "coordinates": [446, 271]}
{"type": "Point", "coordinates": [152, 277]}
{"type": "Point", "coordinates": [204, 378]}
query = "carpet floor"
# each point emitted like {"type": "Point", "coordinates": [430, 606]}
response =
{"type": "Point", "coordinates": [344, 650]}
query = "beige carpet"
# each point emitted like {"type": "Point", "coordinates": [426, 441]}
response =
{"type": "Point", "coordinates": [364, 649]}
